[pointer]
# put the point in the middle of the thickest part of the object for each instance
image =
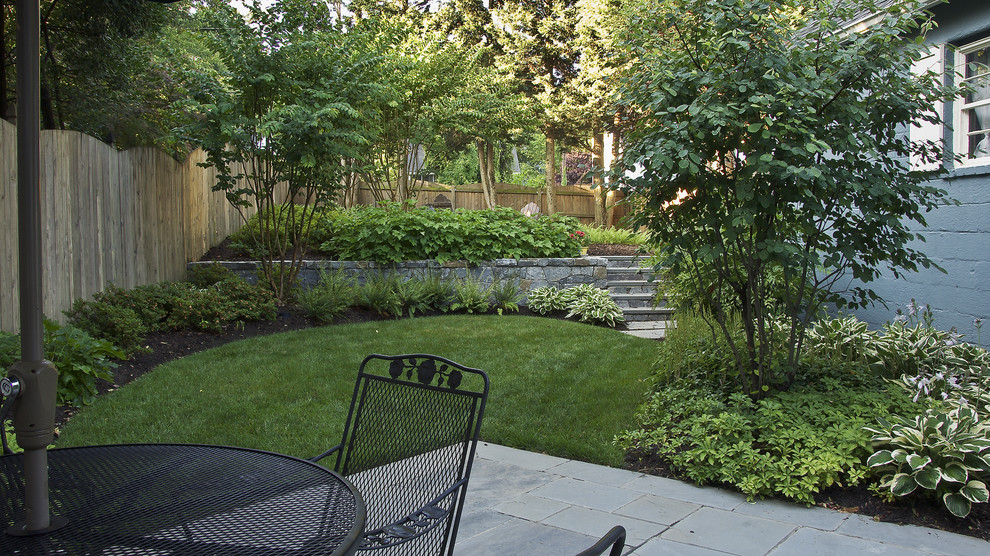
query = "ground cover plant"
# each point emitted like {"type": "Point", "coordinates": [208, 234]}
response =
{"type": "Point", "coordinates": [584, 301]}
{"type": "Point", "coordinates": [847, 420]}
{"type": "Point", "coordinates": [289, 392]}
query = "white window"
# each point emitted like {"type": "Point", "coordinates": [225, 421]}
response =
{"type": "Point", "coordinates": [972, 127]}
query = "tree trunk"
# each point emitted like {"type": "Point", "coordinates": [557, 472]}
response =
{"type": "Point", "coordinates": [598, 180]}
{"type": "Point", "coordinates": [486, 165]}
{"type": "Point", "coordinates": [563, 169]}
{"type": "Point", "coordinates": [551, 185]}
{"type": "Point", "coordinates": [402, 187]}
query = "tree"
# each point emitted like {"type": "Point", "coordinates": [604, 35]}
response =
{"type": "Point", "coordinates": [492, 108]}
{"type": "Point", "coordinates": [292, 108]}
{"type": "Point", "coordinates": [90, 53]}
{"type": "Point", "coordinates": [538, 37]}
{"type": "Point", "coordinates": [786, 132]}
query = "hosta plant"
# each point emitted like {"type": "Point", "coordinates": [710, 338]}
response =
{"type": "Point", "coordinates": [546, 300]}
{"type": "Point", "coordinates": [591, 304]}
{"type": "Point", "coordinates": [938, 453]}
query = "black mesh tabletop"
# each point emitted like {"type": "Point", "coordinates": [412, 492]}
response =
{"type": "Point", "coordinates": [166, 499]}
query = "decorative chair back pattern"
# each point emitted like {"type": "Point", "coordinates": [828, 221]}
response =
{"type": "Point", "coordinates": [408, 446]}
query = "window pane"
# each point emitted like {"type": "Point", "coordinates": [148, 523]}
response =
{"type": "Point", "coordinates": [977, 68]}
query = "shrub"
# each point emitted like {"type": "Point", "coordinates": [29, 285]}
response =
{"type": "Point", "coordinates": [203, 276]}
{"type": "Point", "coordinates": [790, 443]}
{"type": "Point", "coordinates": [437, 291]}
{"type": "Point", "coordinates": [121, 326]}
{"type": "Point", "coordinates": [391, 234]}
{"type": "Point", "coordinates": [946, 453]}
{"type": "Point", "coordinates": [413, 295]}
{"type": "Point", "coordinates": [246, 238]}
{"type": "Point", "coordinates": [613, 236]}
{"type": "Point", "coordinates": [151, 303]}
{"type": "Point", "coordinates": [335, 293]}
{"type": "Point", "coordinates": [81, 360]}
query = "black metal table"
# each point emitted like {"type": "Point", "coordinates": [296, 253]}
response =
{"type": "Point", "coordinates": [169, 499]}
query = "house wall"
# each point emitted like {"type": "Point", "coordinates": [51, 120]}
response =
{"type": "Point", "coordinates": [958, 237]}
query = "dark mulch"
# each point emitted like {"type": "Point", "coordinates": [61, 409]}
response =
{"type": "Point", "coordinates": [859, 500]}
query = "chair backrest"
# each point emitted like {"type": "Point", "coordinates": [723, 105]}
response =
{"type": "Point", "coordinates": [613, 541]}
{"type": "Point", "coordinates": [408, 446]}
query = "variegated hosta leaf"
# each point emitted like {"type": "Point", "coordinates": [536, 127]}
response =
{"type": "Point", "coordinates": [928, 478]}
{"type": "Point", "coordinates": [975, 491]}
{"type": "Point", "coordinates": [955, 472]}
{"type": "Point", "coordinates": [883, 457]}
{"type": "Point", "coordinates": [903, 484]}
{"type": "Point", "coordinates": [900, 456]}
{"type": "Point", "coordinates": [957, 504]}
{"type": "Point", "coordinates": [918, 462]}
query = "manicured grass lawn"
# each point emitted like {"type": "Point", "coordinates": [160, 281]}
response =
{"type": "Point", "coordinates": [558, 387]}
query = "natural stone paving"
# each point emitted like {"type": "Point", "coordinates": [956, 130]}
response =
{"type": "Point", "coordinates": [523, 503]}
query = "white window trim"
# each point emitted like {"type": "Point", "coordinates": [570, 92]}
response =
{"type": "Point", "coordinates": [922, 130]}
{"type": "Point", "coordinates": [961, 138]}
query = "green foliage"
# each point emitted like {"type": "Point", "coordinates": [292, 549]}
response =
{"type": "Point", "coordinates": [119, 325]}
{"type": "Point", "coordinates": [588, 303]}
{"type": "Point", "coordinates": [437, 291]}
{"type": "Point", "coordinates": [414, 295]}
{"type": "Point", "coordinates": [81, 360]}
{"type": "Point", "coordinates": [285, 123]}
{"type": "Point", "coordinates": [546, 300]}
{"type": "Point", "coordinates": [792, 443]}
{"type": "Point", "coordinates": [378, 294]}
{"type": "Point", "coordinates": [391, 234]}
{"type": "Point", "coordinates": [795, 179]}
{"type": "Point", "coordinates": [471, 296]}
{"type": "Point", "coordinates": [506, 295]}
{"type": "Point", "coordinates": [613, 236]}
{"type": "Point", "coordinates": [946, 453]}
{"type": "Point", "coordinates": [203, 276]}
{"type": "Point", "coordinates": [592, 305]}
{"type": "Point", "coordinates": [125, 316]}
{"type": "Point", "coordinates": [331, 296]}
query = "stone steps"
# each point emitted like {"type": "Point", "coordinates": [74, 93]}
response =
{"type": "Point", "coordinates": [633, 289]}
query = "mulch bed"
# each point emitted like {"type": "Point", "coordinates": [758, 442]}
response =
{"type": "Point", "coordinates": [173, 345]}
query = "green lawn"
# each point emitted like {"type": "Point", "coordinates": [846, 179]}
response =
{"type": "Point", "coordinates": [558, 387]}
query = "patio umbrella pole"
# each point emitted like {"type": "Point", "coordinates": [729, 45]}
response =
{"type": "Point", "coordinates": [36, 378]}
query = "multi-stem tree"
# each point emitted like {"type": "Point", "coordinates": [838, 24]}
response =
{"type": "Point", "coordinates": [786, 131]}
{"type": "Point", "coordinates": [294, 105]}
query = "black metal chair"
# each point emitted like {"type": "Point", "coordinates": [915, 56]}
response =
{"type": "Point", "coordinates": [408, 446]}
{"type": "Point", "coordinates": [614, 539]}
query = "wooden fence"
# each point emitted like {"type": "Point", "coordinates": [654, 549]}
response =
{"type": "Point", "coordinates": [576, 201]}
{"type": "Point", "coordinates": [128, 218]}
{"type": "Point", "coordinates": [138, 216]}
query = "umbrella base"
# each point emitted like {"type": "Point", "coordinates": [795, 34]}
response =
{"type": "Point", "coordinates": [20, 529]}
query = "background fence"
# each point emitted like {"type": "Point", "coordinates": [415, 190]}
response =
{"type": "Point", "coordinates": [138, 216]}
{"type": "Point", "coordinates": [128, 218]}
{"type": "Point", "coordinates": [576, 201]}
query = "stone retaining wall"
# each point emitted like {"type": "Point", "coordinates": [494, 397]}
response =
{"type": "Point", "coordinates": [531, 273]}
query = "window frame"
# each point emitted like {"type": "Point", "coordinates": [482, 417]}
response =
{"type": "Point", "coordinates": [961, 108]}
